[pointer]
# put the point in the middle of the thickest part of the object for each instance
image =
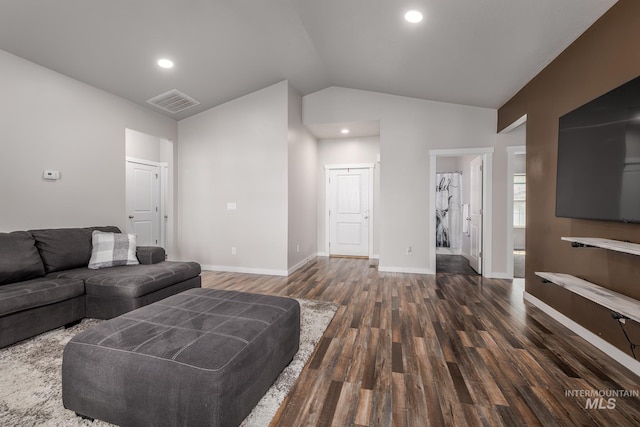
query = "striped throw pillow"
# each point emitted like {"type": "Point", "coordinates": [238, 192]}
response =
{"type": "Point", "coordinates": [112, 249]}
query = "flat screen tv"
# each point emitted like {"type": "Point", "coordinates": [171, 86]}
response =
{"type": "Point", "coordinates": [598, 173]}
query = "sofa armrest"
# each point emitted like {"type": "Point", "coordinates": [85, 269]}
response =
{"type": "Point", "coordinates": [150, 254]}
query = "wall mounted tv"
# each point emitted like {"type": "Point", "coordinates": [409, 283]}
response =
{"type": "Point", "coordinates": [598, 173]}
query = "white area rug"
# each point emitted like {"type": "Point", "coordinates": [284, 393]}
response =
{"type": "Point", "coordinates": [30, 374]}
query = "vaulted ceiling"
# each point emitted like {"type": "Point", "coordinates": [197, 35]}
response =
{"type": "Point", "coordinates": [472, 52]}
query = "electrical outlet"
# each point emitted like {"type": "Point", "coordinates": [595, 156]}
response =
{"type": "Point", "coordinates": [297, 248]}
{"type": "Point", "coordinates": [234, 251]}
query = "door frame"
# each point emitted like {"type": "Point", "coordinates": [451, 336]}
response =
{"type": "Point", "coordinates": [162, 184]}
{"type": "Point", "coordinates": [327, 219]}
{"type": "Point", "coordinates": [487, 197]}
{"type": "Point", "coordinates": [476, 254]}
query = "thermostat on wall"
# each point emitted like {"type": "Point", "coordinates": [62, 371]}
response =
{"type": "Point", "coordinates": [52, 175]}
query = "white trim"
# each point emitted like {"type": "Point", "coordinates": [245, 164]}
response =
{"type": "Point", "coordinates": [261, 271]}
{"type": "Point", "coordinates": [487, 214]}
{"type": "Point", "coordinates": [351, 166]}
{"type": "Point", "coordinates": [371, 221]}
{"type": "Point", "coordinates": [455, 152]}
{"type": "Point", "coordinates": [517, 149]}
{"type": "Point", "coordinates": [246, 270]}
{"type": "Point", "coordinates": [302, 263]}
{"type": "Point", "coordinates": [500, 275]}
{"type": "Point", "coordinates": [326, 255]}
{"type": "Point", "coordinates": [146, 162]}
{"type": "Point", "coordinates": [614, 352]}
{"type": "Point", "coordinates": [164, 185]}
{"type": "Point", "coordinates": [511, 158]}
{"type": "Point", "coordinates": [409, 270]}
{"type": "Point", "coordinates": [487, 202]}
{"type": "Point", "coordinates": [327, 219]}
{"type": "Point", "coordinates": [514, 125]}
{"type": "Point", "coordinates": [431, 221]}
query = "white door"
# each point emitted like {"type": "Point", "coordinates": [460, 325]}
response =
{"type": "Point", "coordinates": [143, 203]}
{"type": "Point", "coordinates": [475, 211]}
{"type": "Point", "coordinates": [349, 212]}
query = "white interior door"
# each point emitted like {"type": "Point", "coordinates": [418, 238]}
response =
{"type": "Point", "coordinates": [349, 212]}
{"type": "Point", "coordinates": [143, 203]}
{"type": "Point", "coordinates": [475, 211]}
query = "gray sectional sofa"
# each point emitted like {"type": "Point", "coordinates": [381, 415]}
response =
{"type": "Point", "coordinates": [45, 282]}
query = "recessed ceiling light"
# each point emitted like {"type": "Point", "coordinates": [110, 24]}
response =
{"type": "Point", "coordinates": [344, 131]}
{"type": "Point", "coordinates": [413, 16]}
{"type": "Point", "coordinates": [165, 63]}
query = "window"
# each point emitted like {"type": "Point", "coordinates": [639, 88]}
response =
{"type": "Point", "coordinates": [519, 200]}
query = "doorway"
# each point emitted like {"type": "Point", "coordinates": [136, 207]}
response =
{"type": "Point", "coordinates": [349, 202]}
{"type": "Point", "coordinates": [516, 211]}
{"type": "Point", "coordinates": [143, 203]}
{"type": "Point", "coordinates": [148, 189]}
{"type": "Point", "coordinates": [475, 165]}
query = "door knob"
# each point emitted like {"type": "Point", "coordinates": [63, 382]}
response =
{"type": "Point", "coordinates": [130, 216]}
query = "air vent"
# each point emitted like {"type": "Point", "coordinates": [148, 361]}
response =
{"type": "Point", "coordinates": [173, 101]}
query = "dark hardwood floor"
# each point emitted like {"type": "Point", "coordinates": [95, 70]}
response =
{"type": "Point", "coordinates": [456, 264]}
{"type": "Point", "coordinates": [439, 350]}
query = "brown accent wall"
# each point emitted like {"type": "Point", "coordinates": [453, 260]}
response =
{"type": "Point", "coordinates": [604, 57]}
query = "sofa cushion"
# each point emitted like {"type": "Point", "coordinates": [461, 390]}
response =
{"type": "Point", "coordinates": [66, 248]}
{"type": "Point", "coordinates": [112, 249]}
{"type": "Point", "coordinates": [37, 293]}
{"type": "Point", "coordinates": [150, 254]}
{"type": "Point", "coordinates": [132, 281]}
{"type": "Point", "coordinates": [19, 258]}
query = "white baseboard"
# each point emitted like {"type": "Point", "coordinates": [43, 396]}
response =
{"type": "Point", "coordinates": [386, 269]}
{"type": "Point", "coordinates": [246, 270]}
{"type": "Point", "coordinates": [614, 352]}
{"type": "Point", "coordinates": [499, 275]}
{"type": "Point", "coordinates": [326, 254]}
{"type": "Point", "coordinates": [302, 263]}
{"type": "Point", "coordinates": [262, 271]}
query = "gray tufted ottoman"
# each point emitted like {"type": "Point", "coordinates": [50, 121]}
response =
{"type": "Point", "coordinates": [203, 357]}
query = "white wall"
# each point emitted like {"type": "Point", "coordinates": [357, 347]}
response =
{"type": "Point", "coordinates": [143, 146]}
{"type": "Point", "coordinates": [409, 128]}
{"type": "Point", "coordinates": [236, 152]}
{"type": "Point", "coordinates": [347, 151]}
{"type": "Point", "coordinates": [447, 164]}
{"type": "Point", "coordinates": [49, 121]}
{"type": "Point", "coordinates": [520, 163]}
{"type": "Point", "coordinates": [302, 192]}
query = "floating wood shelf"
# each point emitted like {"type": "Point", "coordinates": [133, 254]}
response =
{"type": "Point", "coordinates": [612, 245]}
{"type": "Point", "coordinates": [622, 304]}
